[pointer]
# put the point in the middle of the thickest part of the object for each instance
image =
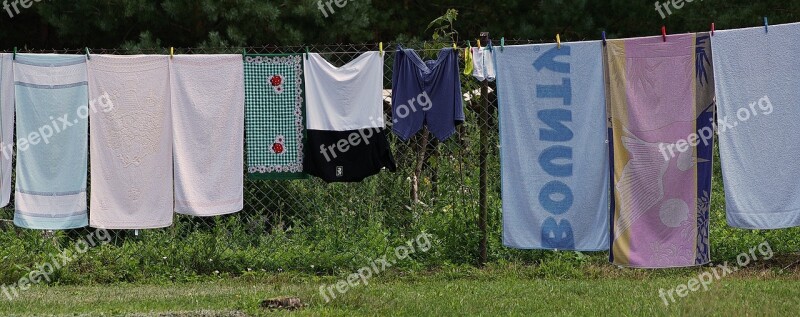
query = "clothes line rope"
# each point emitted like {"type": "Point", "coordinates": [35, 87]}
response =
{"type": "Point", "coordinates": [269, 49]}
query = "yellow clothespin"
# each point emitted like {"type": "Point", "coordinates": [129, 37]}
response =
{"type": "Point", "coordinates": [479, 44]}
{"type": "Point", "coordinates": [558, 40]}
{"type": "Point", "coordinates": [381, 48]}
{"type": "Point", "coordinates": [454, 46]}
{"type": "Point", "coordinates": [171, 52]}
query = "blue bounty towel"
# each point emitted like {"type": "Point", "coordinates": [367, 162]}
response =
{"type": "Point", "coordinates": [554, 157]}
{"type": "Point", "coordinates": [758, 97]}
{"type": "Point", "coordinates": [52, 111]}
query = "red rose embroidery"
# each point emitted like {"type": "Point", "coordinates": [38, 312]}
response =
{"type": "Point", "coordinates": [276, 80]}
{"type": "Point", "coordinates": [277, 148]}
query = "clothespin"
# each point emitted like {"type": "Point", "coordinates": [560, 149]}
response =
{"type": "Point", "coordinates": [307, 52]}
{"type": "Point", "coordinates": [454, 46]}
{"type": "Point", "coordinates": [171, 52]}
{"type": "Point", "coordinates": [766, 25]}
{"type": "Point", "coordinates": [87, 54]}
{"type": "Point", "coordinates": [558, 41]}
{"type": "Point", "coordinates": [244, 52]}
{"type": "Point", "coordinates": [380, 48]}
{"type": "Point", "coordinates": [712, 28]}
{"type": "Point", "coordinates": [604, 38]}
{"type": "Point", "coordinates": [469, 44]}
{"type": "Point", "coordinates": [502, 44]}
{"type": "Point", "coordinates": [14, 57]}
{"type": "Point", "coordinates": [479, 44]}
{"type": "Point", "coordinates": [664, 33]}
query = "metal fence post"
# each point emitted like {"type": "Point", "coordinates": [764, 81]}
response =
{"type": "Point", "coordinates": [483, 157]}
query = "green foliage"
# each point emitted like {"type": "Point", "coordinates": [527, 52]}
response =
{"type": "Point", "coordinates": [193, 23]}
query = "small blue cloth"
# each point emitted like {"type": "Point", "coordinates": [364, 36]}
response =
{"type": "Point", "coordinates": [758, 96]}
{"type": "Point", "coordinates": [52, 108]}
{"type": "Point", "coordinates": [554, 156]}
{"type": "Point", "coordinates": [426, 93]}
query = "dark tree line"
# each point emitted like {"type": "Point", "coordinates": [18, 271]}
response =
{"type": "Point", "coordinates": [214, 23]}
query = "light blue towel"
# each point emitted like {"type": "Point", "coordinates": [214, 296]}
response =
{"type": "Point", "coordinates": [554, 156]}
{"type": "Point", "coordinates": [6, 126]}
{"type": "Point", "coordinates": [758, 96]}
{"type": "Point", "coordinates": [52, 107]}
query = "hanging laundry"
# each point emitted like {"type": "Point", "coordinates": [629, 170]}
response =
{"type": "Point", "coordinates": [52, 109]}
{"type": "Point", "coordinates": [346, 129]}
{"type": "Point", "coordinates": [208, 130]}
{"type": "Point", "coordinates": [275, 112]}
{"type": "Point", "coordinates": [553, 147]}
{"type": "Point", "coordinates": [483, 63]}
{"type": "Point", "coordinates": [661, 96]}
{"type": "Point", "coordinates": [469, 62]}
{"type": "Point", "coordinates": [131, 146]}
{"type": "Point", "coordinates": [6, 126]}
{"type": "Point", "coordinates": [426, 93]}
{"type": "Point", "coordinates": [758, 96]}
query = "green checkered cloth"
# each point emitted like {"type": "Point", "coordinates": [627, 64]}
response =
{"type": "Point", "coordinates": [275, 125]}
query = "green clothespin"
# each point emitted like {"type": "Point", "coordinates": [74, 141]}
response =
{"type": "Point", "coordinates": [307, 52]}
{"type": "Point", "coordinates": [244, 52]}
{"type": "Point", "coordinates": [87, 54]}
{"type": "Point", "coordinates": [502, 44]}
{"type": "Point", "coordinates": [15, 53]}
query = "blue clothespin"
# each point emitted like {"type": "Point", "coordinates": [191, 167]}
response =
{"type": "Point", "coordinates": [766, 25]}
{"type": "Point", "coordinates": [87, 54]}
{"type": "Point", "coordinates": [502, 44]}
{"type": "Point", "coordinates": [604, 38]}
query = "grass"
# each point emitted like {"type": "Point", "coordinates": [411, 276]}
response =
{"type": "Point", "coordinates": [498, 290]}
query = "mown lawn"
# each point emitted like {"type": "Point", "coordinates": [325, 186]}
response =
{"type": "Point", "coordinates": [490, 292]}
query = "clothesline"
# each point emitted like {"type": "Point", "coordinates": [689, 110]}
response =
{"type": "Point", "coordinates": [364, 47]}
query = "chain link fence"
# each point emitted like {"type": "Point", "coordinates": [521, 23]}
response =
{"type": "Point", "coordinates": [309, 225]}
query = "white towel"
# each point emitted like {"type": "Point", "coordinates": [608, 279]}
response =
{"type": "Point", "coordinates": [208, 131]}
{"type": "Point", "coordinates": [757, 79]}
{"type": "Point", "coordinates": [131, 146]}
{"type": "Point", "coordinates": [6, 126]}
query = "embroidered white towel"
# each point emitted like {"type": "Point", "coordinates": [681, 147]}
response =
{"type": "Point", "coordinates": [131, 146]}
{"type": "Point", "coordinates": [208, 131]}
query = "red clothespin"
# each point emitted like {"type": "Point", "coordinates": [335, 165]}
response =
{"type": "Point", "coordinates": [712, 28]}
{"type": "Point", "coordinates": [664, 33]}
